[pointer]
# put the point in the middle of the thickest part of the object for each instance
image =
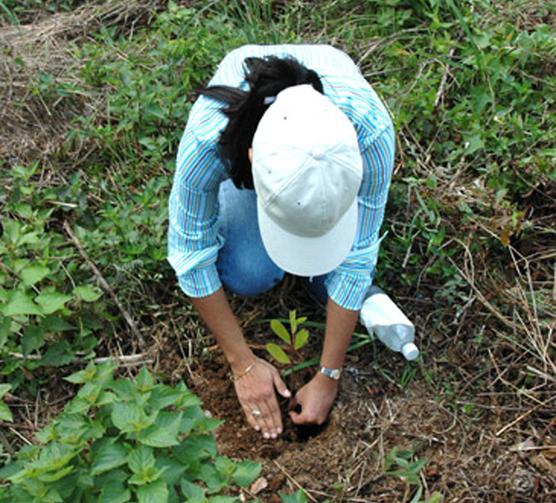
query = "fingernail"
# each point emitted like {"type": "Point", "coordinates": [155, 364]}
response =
{"type": "Point", "coordinates": [279, 431]}
{"type": "Point", "coordinates": [266, 435]}
{"type": "Point", "coordinates": [274, 435]}
{"type": "Point", "coordinates": [287, 393]}
{"type": "Point", "coordinates": [257, 428]}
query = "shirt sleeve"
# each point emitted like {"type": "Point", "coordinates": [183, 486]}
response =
{"type": "Point", "coordinates": [349, 282]}
{"type": "Point", "coordinates": [193, 240]}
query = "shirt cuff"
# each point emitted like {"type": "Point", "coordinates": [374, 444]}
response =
{"type": "Point", "coordinates": [348, 290]}
{"type": "Point", "coordinates": [200, 282]}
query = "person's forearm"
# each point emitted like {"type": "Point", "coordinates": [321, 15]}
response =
{"type": "Point", "coordinates": [220, 319]}
{"type": "Point", "coordinates": [340, 324]}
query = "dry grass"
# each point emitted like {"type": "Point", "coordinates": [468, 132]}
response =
{"type": "Point", "coordinates": [32, 129]}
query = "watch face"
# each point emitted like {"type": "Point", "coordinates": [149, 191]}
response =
{"type": "Point", "coordinates": [335, 374]}
{"type": "Point", "coordinates": [332, 373]}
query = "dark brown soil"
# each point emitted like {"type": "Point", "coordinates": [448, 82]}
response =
{"type": "Point", "coordinates": [366, 423]}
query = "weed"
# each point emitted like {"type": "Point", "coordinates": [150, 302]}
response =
{"type": "Point", "coordinates": [120, 439]}
{"type": "Point", "coordinates": [401, 463]}
{"type": "Point", "coordinates": [49, 309]}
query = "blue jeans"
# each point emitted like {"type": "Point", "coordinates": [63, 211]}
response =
{"type": "Point", "coordinates": [243, 263]}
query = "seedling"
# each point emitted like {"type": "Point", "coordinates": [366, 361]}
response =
{"type": "Point", "coordinates": [293, 340]}
{"type": "Point", "coordinates": [401, 463]}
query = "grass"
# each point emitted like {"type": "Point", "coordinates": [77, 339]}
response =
{"type": "Point", "coordinates": [93, 119]}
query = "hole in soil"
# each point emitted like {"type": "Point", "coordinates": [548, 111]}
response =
{"type": "Point", "coordinates": [294, 433]}
{"type": "Point", "coordinates": [304, 433]}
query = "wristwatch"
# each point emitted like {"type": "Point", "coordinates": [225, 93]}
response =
{"type": "Point", "coordinates": [332, 373]}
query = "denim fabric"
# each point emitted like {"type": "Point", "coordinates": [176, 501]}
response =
{"type": "Point", "coordinates": [243, 264]}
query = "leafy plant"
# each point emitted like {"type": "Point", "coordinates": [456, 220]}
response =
{"type": "Point", "coordinates": [401, 463]}
{"type": "Point", "coordinates": [292, 341]}
{"type": "Point", "coordinates": [297, 497]}
{"type": "Point", "coordinates": [5, 413]}
{"type": "Point", "coordinates": [49, 309]}
{"type": "Point", "coordinates": [125, 440]}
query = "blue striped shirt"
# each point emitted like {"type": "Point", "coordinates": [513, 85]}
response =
{"type": "Point", "coordinates": [193, 238]}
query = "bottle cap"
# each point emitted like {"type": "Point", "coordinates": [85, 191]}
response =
{"type": "Point", "coordinates": [410, 351]}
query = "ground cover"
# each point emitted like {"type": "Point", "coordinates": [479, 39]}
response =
{"type": "Point", "coordinates": [95, 96]}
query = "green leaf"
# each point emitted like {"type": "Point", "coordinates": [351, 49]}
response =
{"type": "Point", "coordinates": [141, 459]}
{"type": "Point", "coordinates": [172, 469]}
{"type": "Point", "coordinates": [162, 396]}
{"type": "Point", "coordinates": [196, 447]}
{"type": "Point", "coordinates": [82, 376]}
{"type": "Point", "coordinates": [224, 499]}
{"type": "Point", "coordinates": [33, 274]}
{"type": "Point", "coordinates": [87, 293]}
{"type": "Point", "coordinates": [224, 465]}
{"type": "Point", "coordinates": [107, 455]}
{"type": "Point", "coordinates": [20, 304]}
{"type": "Point", "coordinates": [55, 476]}
{"type": "Point", "coordinates": [246, 472]}
{"type": "Point", "coordinates": [5, 325]}
{"type": "Point", "coordinates": [156, 492]}
{"type": "Point", "coordinates": [129, 417]}
{"type": "Point", "coordinates": [277, 353]}
{"type": "Point", "coordinates": [52, 301]}
{"type": "Point", "coordinates": [293, 321]}
{"type": "Point", "coordinates": [301, 339]}
{"type": "Point", "coordinates": [58, 354]}
{"type": "Point", "coordinates": [280, 330]}
{"type": "Point", "coordinates": [474, 143]}
{"type": "Point", "coordinates": [436, 497]}
{"type": "Point", "coordinates": [4, 388]}
{"type": "Point", "coordinates": [144, 380]}
{"type": "Point", "coordinates": [33, 338]}
{"type": "Point", "coordinates": [5, 412]}
{"type": "Point", "coordinates": [214, 480]}
{"type": "Point", "coordinates": [192, 492]}
{"type": "Point", "coordinates": [113, 491]}
{"type": "Point", "coordinates": [164, 432]}
{"type": "Point", "coordinates": [191, 417]}
{"type": "Point", "coordinates": [298, 497]}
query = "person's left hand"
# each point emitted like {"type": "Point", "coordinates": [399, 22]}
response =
{"type": "Point", "coordinates": [316, 399]}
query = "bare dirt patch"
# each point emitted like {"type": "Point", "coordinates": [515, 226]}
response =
{"type": "Point", "coordinates": [466, 460]}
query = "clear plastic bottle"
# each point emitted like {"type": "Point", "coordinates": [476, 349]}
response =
{"type": "Point", "coordinates": [382, 317]}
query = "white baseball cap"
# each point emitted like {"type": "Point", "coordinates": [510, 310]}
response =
{"type": "Point", "coordinates": [307, 170]}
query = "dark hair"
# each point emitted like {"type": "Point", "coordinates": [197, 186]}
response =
{"type": "Point", "coordinates": [266, 77]}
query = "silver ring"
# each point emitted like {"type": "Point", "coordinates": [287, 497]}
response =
{"type": "Point", "coordinates": [256, 413]}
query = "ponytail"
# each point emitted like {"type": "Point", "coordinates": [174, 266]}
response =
{"type": "Point", "coordinates": [266, 77]}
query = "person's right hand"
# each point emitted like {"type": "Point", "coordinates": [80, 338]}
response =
{"type": "Point", "coordinates": [255, 391]}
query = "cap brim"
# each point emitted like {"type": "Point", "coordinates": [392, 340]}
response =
{"type": "Point", "coordinates": [304, 256]}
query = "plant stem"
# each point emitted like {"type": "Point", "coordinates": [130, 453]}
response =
{"type": "Point", "coordinates": [315, 361]}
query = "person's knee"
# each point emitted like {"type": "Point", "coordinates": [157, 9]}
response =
{"type": "Point", "coordinates": [248, 278]}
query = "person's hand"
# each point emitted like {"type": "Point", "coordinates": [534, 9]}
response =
{"type": "Point", "coordinates": [316, 399]}
{"type": "Point", "coordinates": [255, 391]}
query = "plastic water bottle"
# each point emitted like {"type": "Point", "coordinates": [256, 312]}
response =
{"type": "Point", "coordinates": [382, 317]}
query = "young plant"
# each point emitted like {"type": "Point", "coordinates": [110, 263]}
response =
{"type": "Point", "coordinates": [125, 440]}
{"type": "Point", "coordinates": [400, 463]}
{"type": "Point", "coordinates": [293, 340]}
